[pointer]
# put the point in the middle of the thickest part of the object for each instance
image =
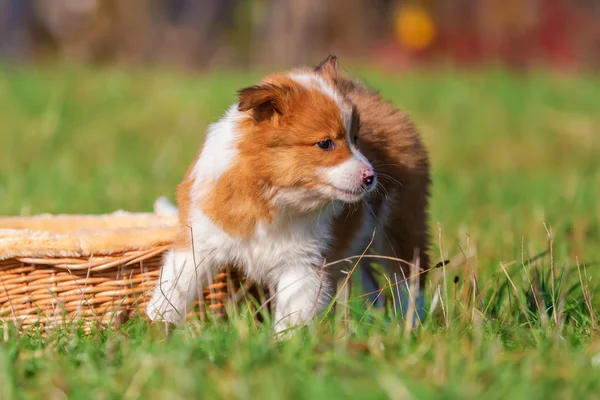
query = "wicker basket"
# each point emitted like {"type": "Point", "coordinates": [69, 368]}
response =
{"type": "Point", "coordinates": [65, 268]}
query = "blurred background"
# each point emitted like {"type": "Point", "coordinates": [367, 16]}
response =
{"type": "Point", "coordinates": [391, 34]}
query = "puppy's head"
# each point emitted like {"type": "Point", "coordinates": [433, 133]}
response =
{"type": "Point", "coordinates": [298, 139]}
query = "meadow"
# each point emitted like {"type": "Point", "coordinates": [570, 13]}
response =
{"type": "Point", "coordinates": [514, 207]}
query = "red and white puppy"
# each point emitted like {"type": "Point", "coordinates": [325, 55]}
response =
{"type": "Point", "coordinates": [304, 168]}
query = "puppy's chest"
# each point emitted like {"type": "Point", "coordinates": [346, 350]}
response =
{"type": "Point", "coordinates": [270, 246]}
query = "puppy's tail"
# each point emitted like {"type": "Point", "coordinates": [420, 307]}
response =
{"type": "Point", "coordinates": [163, 207]}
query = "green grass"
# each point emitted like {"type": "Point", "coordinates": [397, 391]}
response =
{"type": "Point", "coordinates": [514, 159]}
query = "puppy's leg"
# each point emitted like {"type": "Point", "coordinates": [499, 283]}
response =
{"type": "Point", "coordinates": [301, 292]}
{"type": "Point", "coordinates": [405, 277]}
{"type": "Point", "coordinates": [375, 297]}
{"type": "Point", "coordinates": [409, 303]}
{"type": "Point", "coordinates": [407, 238]}
{"type": "Point", "coordinates": [343, 289]}
{"type": "Point", "coordinates": [177, 286]}
{"type": "Point", "coordinates": [369, 242]}
{"type": "Point", "coordinates": [406, 294]}
{"type": "Point", "coordinates": [403, 281]}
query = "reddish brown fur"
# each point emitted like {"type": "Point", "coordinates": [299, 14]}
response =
{"type": "Point", "coordinates": [276, 150]}
{"type": "Point", "coordinates": [391, 142]}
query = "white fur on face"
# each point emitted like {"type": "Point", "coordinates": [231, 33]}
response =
{"type": "Point", "coordinates": [314, 81]}
{"type": "Point", "coordinates": [345, 179]}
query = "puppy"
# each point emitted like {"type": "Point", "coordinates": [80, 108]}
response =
{"type": "Point", "coordinates": [306, 168]}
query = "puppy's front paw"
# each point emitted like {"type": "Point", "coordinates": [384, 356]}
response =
{"type": "Point", "coordinates": [162, 309]}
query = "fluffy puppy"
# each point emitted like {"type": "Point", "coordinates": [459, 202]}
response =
{"type": "Point", "coordinates": [307, 167]}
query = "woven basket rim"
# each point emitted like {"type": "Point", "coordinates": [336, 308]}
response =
{"type": "Point", "coordinates": [83, 235]}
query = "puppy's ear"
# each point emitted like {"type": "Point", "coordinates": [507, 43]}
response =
{"type": "Point", "coordinates": [266, 101]}
{"type": "Point", "coordinates": [328, 67]}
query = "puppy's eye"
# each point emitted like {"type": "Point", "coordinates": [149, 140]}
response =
{"type": "Point", "coordinates": [355, 139]}
{"type": "Point", "coordinates": [325, 144]}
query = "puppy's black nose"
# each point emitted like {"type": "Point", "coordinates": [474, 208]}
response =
{"type": "Point", "coordinates": [368, 177]}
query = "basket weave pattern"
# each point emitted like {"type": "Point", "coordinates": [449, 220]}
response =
{"type": "Point", "coordinates": [96, 269]}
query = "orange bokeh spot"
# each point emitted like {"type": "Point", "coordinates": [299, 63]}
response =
{"type": "Point", "coordinates": [414, 28]}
